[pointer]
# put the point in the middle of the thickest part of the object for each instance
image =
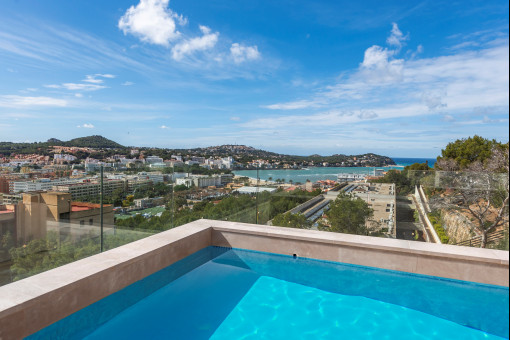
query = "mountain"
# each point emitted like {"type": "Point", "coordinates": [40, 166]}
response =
{"type": "Point", "coordinates": [96, 142]}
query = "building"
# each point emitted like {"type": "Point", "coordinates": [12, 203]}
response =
{"type": "Point", "coordinates": [83, 190]}
{"type": "Point", "coordinates": [174, 176]}
{"type": "Point", "coordinates": [381, 197]}
{"type": "Point", "coordinates": [155, 177]}
{"type": "Point", "coordinates": [350, 177]}
{"type": "Point", "coordinates": [44, 184]}
{"type": "Point", "coordinates": [184, 181]}
{"type": "Point", "coordinates": [4, 185]}
{"type": "Point", "coordinates": [134, 182]}
{"type": "Point", "coordinates": [153, 159]}
{"type": "Point", "coordinates": [254, 190]}
{"type": "Point", "coordinates": [226, 178]}
{"type": "Point", "coordinates": [10, 199]}
{"type": "Point", "coordinates": [206, 181]}
{"type": "Point", "coordinates": [62, 158]}
{"type": "Point", "coordinates": [144, 203]}
{"type": "Point", "coordinates": [7, 182]}
{"type": "Point", "coordinates": [7, 220]}
{"type": "Point", "coordinates": [40, 212]}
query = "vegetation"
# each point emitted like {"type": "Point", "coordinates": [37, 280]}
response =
{"type": "Point", "coordinates": [43, 148]}
{"type": "Point", "coordinates": [291, 220]}
{"type": "Point", "coordinates": [435, 219]}
{"type": "Point", "coordinates": [349, 215]}
{"type": "Point", "coordinates": [407, 179]}
{"type": "Point", "coordinates": [464, 152]}
{"type": "Point", "coordinates": [237, 208]}
{"type": "Point", "coordinates": [44, 254]}
{"type": "Point", "coordinates": [95, 142]}
{"type": "Point", "coordinates": [480, 190]}
{"type": "Point", "coordinates": [416, 216]}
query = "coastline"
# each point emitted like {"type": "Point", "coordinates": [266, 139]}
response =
{"type": "Point", "coordinates": [314, 174]}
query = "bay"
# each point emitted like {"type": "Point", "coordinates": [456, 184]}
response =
{"type": "Point", "coordinates": [320, 174]}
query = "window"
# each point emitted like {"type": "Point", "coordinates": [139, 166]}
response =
{"type": "Point", "coordinates": [91, 221]}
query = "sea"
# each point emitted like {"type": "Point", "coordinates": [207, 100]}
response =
{"type": "Point", "coordinates": [319, 174]}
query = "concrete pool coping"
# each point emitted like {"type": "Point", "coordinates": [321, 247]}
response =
{"type": "Point", "coordinates": [29, 305]}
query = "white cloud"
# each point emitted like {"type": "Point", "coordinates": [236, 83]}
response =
{"type": "Point", "coordinates": [396, 37]}
{"type": "Point", "coordinates": [127, 83]}
{"type": "Point", "coordinates": [14, 101]}
{"type": "Point", "coordinates": [235, 119]}
{"type": "Point", "coordinates": [301, 104]}
{"type": "Point", "coordinates": [77, 87]}
{"type": "Point", "coordinates": [86, 126]}
{"type": "Point", "coordinates": [242, 53]}
{"type": "Point", "coordinates": [164, 127]}
{"type": "Point", "coordinates": [78, 95]}
{"type": "Point", "coordinates": [379, 66]}
{"type": "Point", "coordinates": [448, 118]}
{"type": "Point", "coordinates": [434, 99]}
{"type": "Point", "coordinates": [187, 47]}
{"type": "Point", "coordinates": [462, 82]}
{"type": "Point", "coordinates": [94, 78]}
{"type": "Point", "coordinates": [152, 21]}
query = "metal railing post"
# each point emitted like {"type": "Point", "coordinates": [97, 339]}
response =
{"type": "Point", "coordinates": [101, 209]}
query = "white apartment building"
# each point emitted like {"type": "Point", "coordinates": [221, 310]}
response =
{"type": "Point", "coordinates": [90, 189]}
{"type": "Point", "coordinates": [153, 159]}
{"type": "Point", "coordinates": [206, 181]}
{"type": "Point", "coordinates": [184, 181]}
{"type": "Point", "coordinates": [155, 177]}
{"type": "Point", "coordinates": [43, 184]}
{"type": "Point", "coordinates": [64, 157]}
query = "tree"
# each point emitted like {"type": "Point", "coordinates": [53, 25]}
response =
{"type": "Point", "coordinates": [481, 190]}
{"type": "Point", "coordinates": [349, 215]}
{"type": "Point", "coordinates": [117, 197]}
{"type": "Point", "coordinates": [181, 187]}
{"type": "Point", "coordinates": [464, 152]}
{"type": "Point", "coordinates": [290, 220]}
{"type": "Point", "coordinates": [418, 167]}
{"type": "Point", "coordinates": [400, 179]}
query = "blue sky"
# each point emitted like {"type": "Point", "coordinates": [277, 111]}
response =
{"type": "Point", "coordinates": [398, 78]}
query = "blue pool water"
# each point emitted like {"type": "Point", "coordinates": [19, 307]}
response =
{"type": "Point", "coordinates": [220, 293]}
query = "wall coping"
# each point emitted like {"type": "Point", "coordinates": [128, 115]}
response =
{"type": "Point", "coordinates": [359, 241]}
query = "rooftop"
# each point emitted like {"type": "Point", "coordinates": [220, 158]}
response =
{"type": "Point", "coordinates": [122, 266]}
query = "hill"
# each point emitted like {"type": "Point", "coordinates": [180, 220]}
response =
{"type": "Point", "coordinates": [241, 153]}
{"type": "Point", "coordinates": [96, 142]}
{"type": "Point", "coordinates": [43, 148]}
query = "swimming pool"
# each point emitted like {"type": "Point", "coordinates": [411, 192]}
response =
{"type": "Point", "coordinates": [220, 293]}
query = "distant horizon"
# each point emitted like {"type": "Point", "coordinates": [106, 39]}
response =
{"type": "Point", "coordinates": [268, 150]}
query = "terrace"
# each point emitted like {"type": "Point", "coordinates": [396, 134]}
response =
{"type": "Point", "coordinates": [31, 304]}
{"type": "Point", "coordinates": [131, 250]}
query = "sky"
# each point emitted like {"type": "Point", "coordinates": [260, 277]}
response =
{"type": "Point", "coordinates": [396, 78]}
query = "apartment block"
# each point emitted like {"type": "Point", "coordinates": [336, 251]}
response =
{"type": "Point", "coordinates": [90, 189]}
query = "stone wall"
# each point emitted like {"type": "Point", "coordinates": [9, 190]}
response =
{"type": "Point", "coordinates": [457, 226]}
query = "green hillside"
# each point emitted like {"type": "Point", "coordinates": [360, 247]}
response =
{"type": "Point", "coordinates": [97, 142]}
